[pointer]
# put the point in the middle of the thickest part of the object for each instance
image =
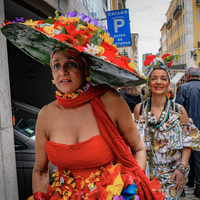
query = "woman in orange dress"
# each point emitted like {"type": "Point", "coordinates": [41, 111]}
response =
{"type": "Point", "coordinates": [88, 132]}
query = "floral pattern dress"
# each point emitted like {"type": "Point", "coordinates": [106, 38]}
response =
{"type": "Point", "coordinates": [169, 140]}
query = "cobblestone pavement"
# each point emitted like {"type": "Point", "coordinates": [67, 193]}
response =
{"type": "Point", "coordinates": [189, 194]}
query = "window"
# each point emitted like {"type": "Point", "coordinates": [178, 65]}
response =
{"type": "Point", "coordinates": [182, 59]}
{"type": "Point", "coordinates": [184, 39]}
{"type": "Point", "coordinates": [178, 25]}
{"type": "Point", "coordinates": [183, 4]}
{"type": "Point", "coordinates": [199, 15]}
{"type": "Point", "coordinates": [183, 19]}
{"type": "Point", "coordinates": [181, 40]}
{"type": "Point", "coordinates": [199, 35]}
{"type": "Point", "coordinates": [185, 58]}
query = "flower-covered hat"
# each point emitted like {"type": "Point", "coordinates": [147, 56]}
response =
{"type": "Point", "coordinates": [39, 38]}
{"type": "Point", "coordinates": [152, 62]}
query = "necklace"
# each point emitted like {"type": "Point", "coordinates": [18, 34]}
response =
{"type": "Point", "coordinates": [154, 124]}
{"type": "Point", "coordinates": [150, 116]}
{"type": "Point", "coordinates": [74, 94]}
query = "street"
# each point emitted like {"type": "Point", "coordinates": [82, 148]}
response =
{"type": "Point", "coordinates": [189, 194]}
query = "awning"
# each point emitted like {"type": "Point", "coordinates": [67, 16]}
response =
{"type": "Point", "coordinates": [177, 77]}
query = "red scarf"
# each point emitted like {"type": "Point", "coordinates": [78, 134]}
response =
{"type": "Point", "coordinates": [111, 135]}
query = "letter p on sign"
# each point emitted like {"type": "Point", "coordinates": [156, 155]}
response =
{"type": "Point", "coordinates": [118, 23]}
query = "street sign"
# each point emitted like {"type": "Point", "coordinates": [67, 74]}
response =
{"type": "Point", "coordinates": [119, 27]}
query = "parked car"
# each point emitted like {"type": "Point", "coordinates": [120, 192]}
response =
{"type": "Point", "coordinates": [24, 135]}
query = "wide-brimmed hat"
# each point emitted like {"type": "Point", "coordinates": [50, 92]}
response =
{"type": "Point", "coordinates": [38, 38]}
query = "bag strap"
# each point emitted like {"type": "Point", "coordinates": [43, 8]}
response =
{"type": "Point", "coordinates": [143, 104]}
{"type": "Point", "coordinates": [141, 108]}
{"type": "Point", "coordinates": [174, 106]}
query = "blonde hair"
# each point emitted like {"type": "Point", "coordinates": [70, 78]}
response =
{"type": "Point", "coordinates": [132, 90]}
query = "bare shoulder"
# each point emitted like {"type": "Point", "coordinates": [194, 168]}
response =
{"type": "Point", "coordinates": [137, 110]}
{"type": "Point", "coordinates": [183, 114]}
{"type": "Point", "coordinates": [46, 114]}
{"type": "Point", "coordinates": [111, 96]}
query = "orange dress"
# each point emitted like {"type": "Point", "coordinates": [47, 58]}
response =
{"type": "Point", "coordinates": [83, 167]}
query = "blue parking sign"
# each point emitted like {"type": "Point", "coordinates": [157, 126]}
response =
{"type": "Point", "coordinates": [119, 27]}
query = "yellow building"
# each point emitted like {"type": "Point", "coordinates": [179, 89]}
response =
{"type": "Point", "coordinates": [183, 35]}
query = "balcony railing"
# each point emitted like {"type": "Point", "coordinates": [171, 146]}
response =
{"type": "Point", "coordinates": [177, 12]}
{"type": "Point", "coordinates": [169, 24]}
{"type": "Point", "coordinates": [180, 66]}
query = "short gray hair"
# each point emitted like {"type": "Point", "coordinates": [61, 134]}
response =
{"type": "Point", "coordinates": [193, 71]}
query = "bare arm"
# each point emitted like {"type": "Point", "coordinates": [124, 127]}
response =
{"type": "Point", "coordinates": [40, 177]}
{"type": "Point", "coordinates": [121, 115]}
{"type": "Point", "coordinates": [137, 110]}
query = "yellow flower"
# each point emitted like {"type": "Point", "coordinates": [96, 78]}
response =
{"type": "Point", "coordinates": [107, 39]}
{"type": "Point", "coordinates": [132, 66]}
{"type": "Point", "coordinates": [31, 23]}
{"type": "Point", "coordinates": [49, 30]}
{"type": "Point", "coordinates": [88, 79]}
{"type": "Point", "coordinates": [58, 190]}
{"type": "Point", "coordinates": [56, 173]}
{"type": "Point", "coordinates": [70, 180]}
{"type": "Point", "coordinates": [101, 50]}
{"type": "Point", "coordinates": [73, 95]}
{"type": "Point", "coordinates": [55, 184]}
{"type": "Point", "coordinates": [81, 27]}
{"type": "Point", "coordinates": [92, 27]}
{"type": "Point", "coordinates": [115, 188]}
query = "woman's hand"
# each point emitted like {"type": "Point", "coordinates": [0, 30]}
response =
{"type": "Point", "coordinates": [180, 179]}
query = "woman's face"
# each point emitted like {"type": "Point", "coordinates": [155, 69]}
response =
{"type": "Point", "coordinates": [159, 82]}
{"type": "Point", "coordinates": [67, 73]}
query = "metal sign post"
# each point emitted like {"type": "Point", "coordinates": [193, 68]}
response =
{"type": "Point", "coordinates": [119, 27]}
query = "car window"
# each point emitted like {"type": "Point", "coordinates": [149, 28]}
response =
{"type": "Point", "coordinates": [25, 117]}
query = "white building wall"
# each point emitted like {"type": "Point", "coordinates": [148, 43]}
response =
{"type": "Point", "coordinates": [8, 174]}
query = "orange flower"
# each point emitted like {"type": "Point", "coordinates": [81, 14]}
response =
{"type": "Point", "coordinates": [92, 27]}
{"type": "Point", "coordinates": [73, 19]}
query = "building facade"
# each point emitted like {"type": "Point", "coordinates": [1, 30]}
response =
{"type": "Point", "coordinates": [183, 35]}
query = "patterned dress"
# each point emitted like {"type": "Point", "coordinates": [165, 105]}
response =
{"type": "Point", "coordinates": [169, 140]}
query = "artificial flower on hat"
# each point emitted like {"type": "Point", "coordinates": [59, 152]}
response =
{"type": "Point", "coordinates": [80, 33]}
{"type": "Point", "coordinates": [152, 62]}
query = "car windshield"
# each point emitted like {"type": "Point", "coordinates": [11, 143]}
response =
{"type": "Point", "coordinates": [25, 117]}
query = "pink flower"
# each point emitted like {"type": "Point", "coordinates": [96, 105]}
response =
{"type": "Point", "coordinates": [118, 198]}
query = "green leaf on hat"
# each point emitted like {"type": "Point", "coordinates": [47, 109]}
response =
{"type": "Point", "coordinates": [49, 21]}
{"type": "Point", "coordinates": [64, 31]}
{"type": "Point", "coordinates": [95, 39]}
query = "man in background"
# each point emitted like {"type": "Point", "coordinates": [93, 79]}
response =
{"type": "Point", "coordinates": [131, 95]}
{"type": "Point", "coordinates": [188, 95]}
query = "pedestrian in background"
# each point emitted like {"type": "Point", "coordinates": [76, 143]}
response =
{"type": "Point", "coordinates": [188, 95]}
{"type": "Point", "coordinates": [131, 95]}
{"type": "Point", "coordinates": [143, 95]}
{"type": "Point", "coordinates": [165, 129]}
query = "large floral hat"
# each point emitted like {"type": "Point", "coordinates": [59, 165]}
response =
{"type": "Point", "coordinates": [152, 62]}
{"type": "Point", "coordinates": [82, 34]}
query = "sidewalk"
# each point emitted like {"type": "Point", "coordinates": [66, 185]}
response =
{"type": "Point", "coordinates": [189, 194]}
